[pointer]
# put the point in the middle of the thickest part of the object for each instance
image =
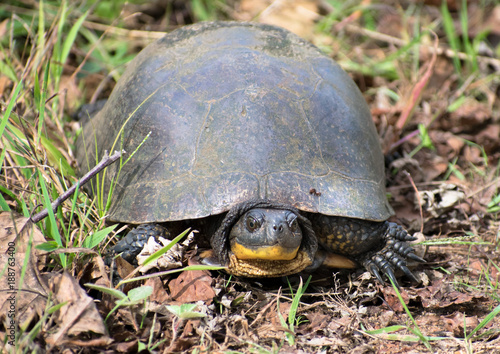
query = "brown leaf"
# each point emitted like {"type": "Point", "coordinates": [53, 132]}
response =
{"type": "Point", "coordinates": [123, 268]}
{"type": "Point", "coordinates": [455, 324]}
{"type": "Point", "coordinates": [469, 116]}
{"type": "Point", "coordinates": [393, 300]}
{"type": "Point", "coordinates": [78, 315]}
{"type": "Point", "coordinates": [317, 320]}
{"type": "Point", "coordinates": [488, 138]}
{"type": "Point", "coordinates": [159, 294]}
{"type": "Point", "coordinates": [441, 295]}
{"type": "Point", "coordinates": [271, 326]}
{"type": "Point", "coordinates": [17, 233]}
{"type": "Point", "coordinates": [192, 286]}
{"type": "Point", "coordinates": [127, 347]}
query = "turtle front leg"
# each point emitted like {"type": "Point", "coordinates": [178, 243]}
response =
{"type": "Point", "coordinates": [132, 244]}
{"type": "Point", "coordinates": [393, 255]}
{"type": "Point", "coordinates": [381, 247]}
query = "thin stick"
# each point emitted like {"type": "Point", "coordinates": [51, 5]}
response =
{"type": "Point", "coordinates": [105, 162]}
{"type": "Point", "coordinates": [447, 52]}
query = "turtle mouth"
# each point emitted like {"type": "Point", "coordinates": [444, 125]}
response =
{"type": "Point", "coordinates": [272, 252]}
{"type": "Point", "coordinates": [265, 268]}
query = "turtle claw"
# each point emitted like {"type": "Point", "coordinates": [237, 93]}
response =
{"type": "Point", "coordinates": [413, 256]}
{"type": "Point", "coordinates": [393, 255]}
{"type": "Point", "coordinates": [409, 274]}
{"type": "Point", "coordinates": [390, 274]}
{"type": "Point", "coordinates": [378, 264]}
{"type": "Point", "coordinates": [373, 269]}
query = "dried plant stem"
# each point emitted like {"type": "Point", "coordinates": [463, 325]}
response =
{"type": "Point", "coordinates": [447, 52]}
{"type": "Point", "coordinates": [105, 162]}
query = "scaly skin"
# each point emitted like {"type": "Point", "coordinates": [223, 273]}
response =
{"type": "Point", "coordinates": [132, 244]}
{"type": "Point", "coordinates": [379, 246]}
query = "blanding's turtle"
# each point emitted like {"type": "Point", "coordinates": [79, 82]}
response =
{"type": "Point", "coordinates": [256, 132]}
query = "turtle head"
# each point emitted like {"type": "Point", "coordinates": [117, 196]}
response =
{"type": "Point", "coordinates": [270, 234]}
{"type": "Point", "coordinates": [262, 238]}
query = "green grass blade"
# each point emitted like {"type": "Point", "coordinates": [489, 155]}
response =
{"type": "Point", "coordinates": [41, 32]}
{"type": "Point", "coordinates": [386, 330]}
{"type": "Point", "coordinates": [110, 291]}
{"type": "Point", "coordinates": [7, 112]}
{"type": "Point", "coordinates": [10, 194]}
{"type": "Point", "coordinates": [41, 103]}
{"type": "Point", "coordinates": [451, 35]}
{"type": "Point", "coordinates": [57, 45]}
{"type": "Point", "coordinates": [171, 271]}
{"type": "Point", "coordinates": [37, 91]}
{"type": "Point", "coordinates": [3, 204]}
{"type": "Point", "coordinates": [290, 338]}
{"type": "Point", "coordinates": [96, 238]}
{"type": "Point", "coordinates": [471, 54]}
{"type": "Point", "coordinates": [165, 249]}
{"type": "Point", "coordinates": [295, 302]}
{"type": "Point", "coordinates": [6, 69]}
{"type": "Point", "coordinates": [71, 37]}
{"type": "Point", "coordinates": [2, 158]}
{"type": "Point", "coordinates": [52, 220]}
{"type": "Point", "coordinates": [485, 321]}
{"type": "Point", "coordinates": [416, 329]}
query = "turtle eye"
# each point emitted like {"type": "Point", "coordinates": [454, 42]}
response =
{"type": "Point", "coordinates": [252, 223]}
{"type": "Point", "coordinates": [293, 224]}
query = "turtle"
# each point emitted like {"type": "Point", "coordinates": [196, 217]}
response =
{"type": "Point", "coordinates": [255, 133]}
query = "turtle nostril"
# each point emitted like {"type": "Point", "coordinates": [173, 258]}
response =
{"type": "Point", "coordinates": [278, 228]}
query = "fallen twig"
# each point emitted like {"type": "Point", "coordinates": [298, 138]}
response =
{"type": "Point", "coordinates": [447, 52]}
{"type": "Point", "coordinates": [105, 162]}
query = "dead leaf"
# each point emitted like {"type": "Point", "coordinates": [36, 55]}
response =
{"type": "Point", "coordinates": [192, 286]}
{"type": "Point", "coordinates": [159, 294]}
{"type": "Point", "coordinates": [470, 115]}
{"type": "Point", "coordinates": [440, 200]}
{"type": "Point", "coordinates": [171, 259]}
{"type": "Point", "coordinates": [323, 341]}
{"type": "Point", "coordinates": [79, 313]}
{"type": "Point", "coordinates": [393, 300]}
{"type": "Point", "coordinates": [441, 295]}
{"type": "Point", "coordinates": [127, 347]}
{"type": "Point", "coordinates": [433, 167]}
{"type": "Point", "coordinates": [456, 323]}
{"type": "Point", "coordinates": [123, 268]}
{"type": "Point", "coordinates": [18, 235]}
{"type": "Point", "coordinates": [3, 27]}
{"type": "Point", "coordinates": [317, 321]}
{"type": "Point", "coordinates": [187, 339]}
{"type": "Point", "coordinates": [409, 165]}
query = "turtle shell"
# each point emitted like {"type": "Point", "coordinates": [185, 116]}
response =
{"type": "Point", "coordinates": [228, 112]}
